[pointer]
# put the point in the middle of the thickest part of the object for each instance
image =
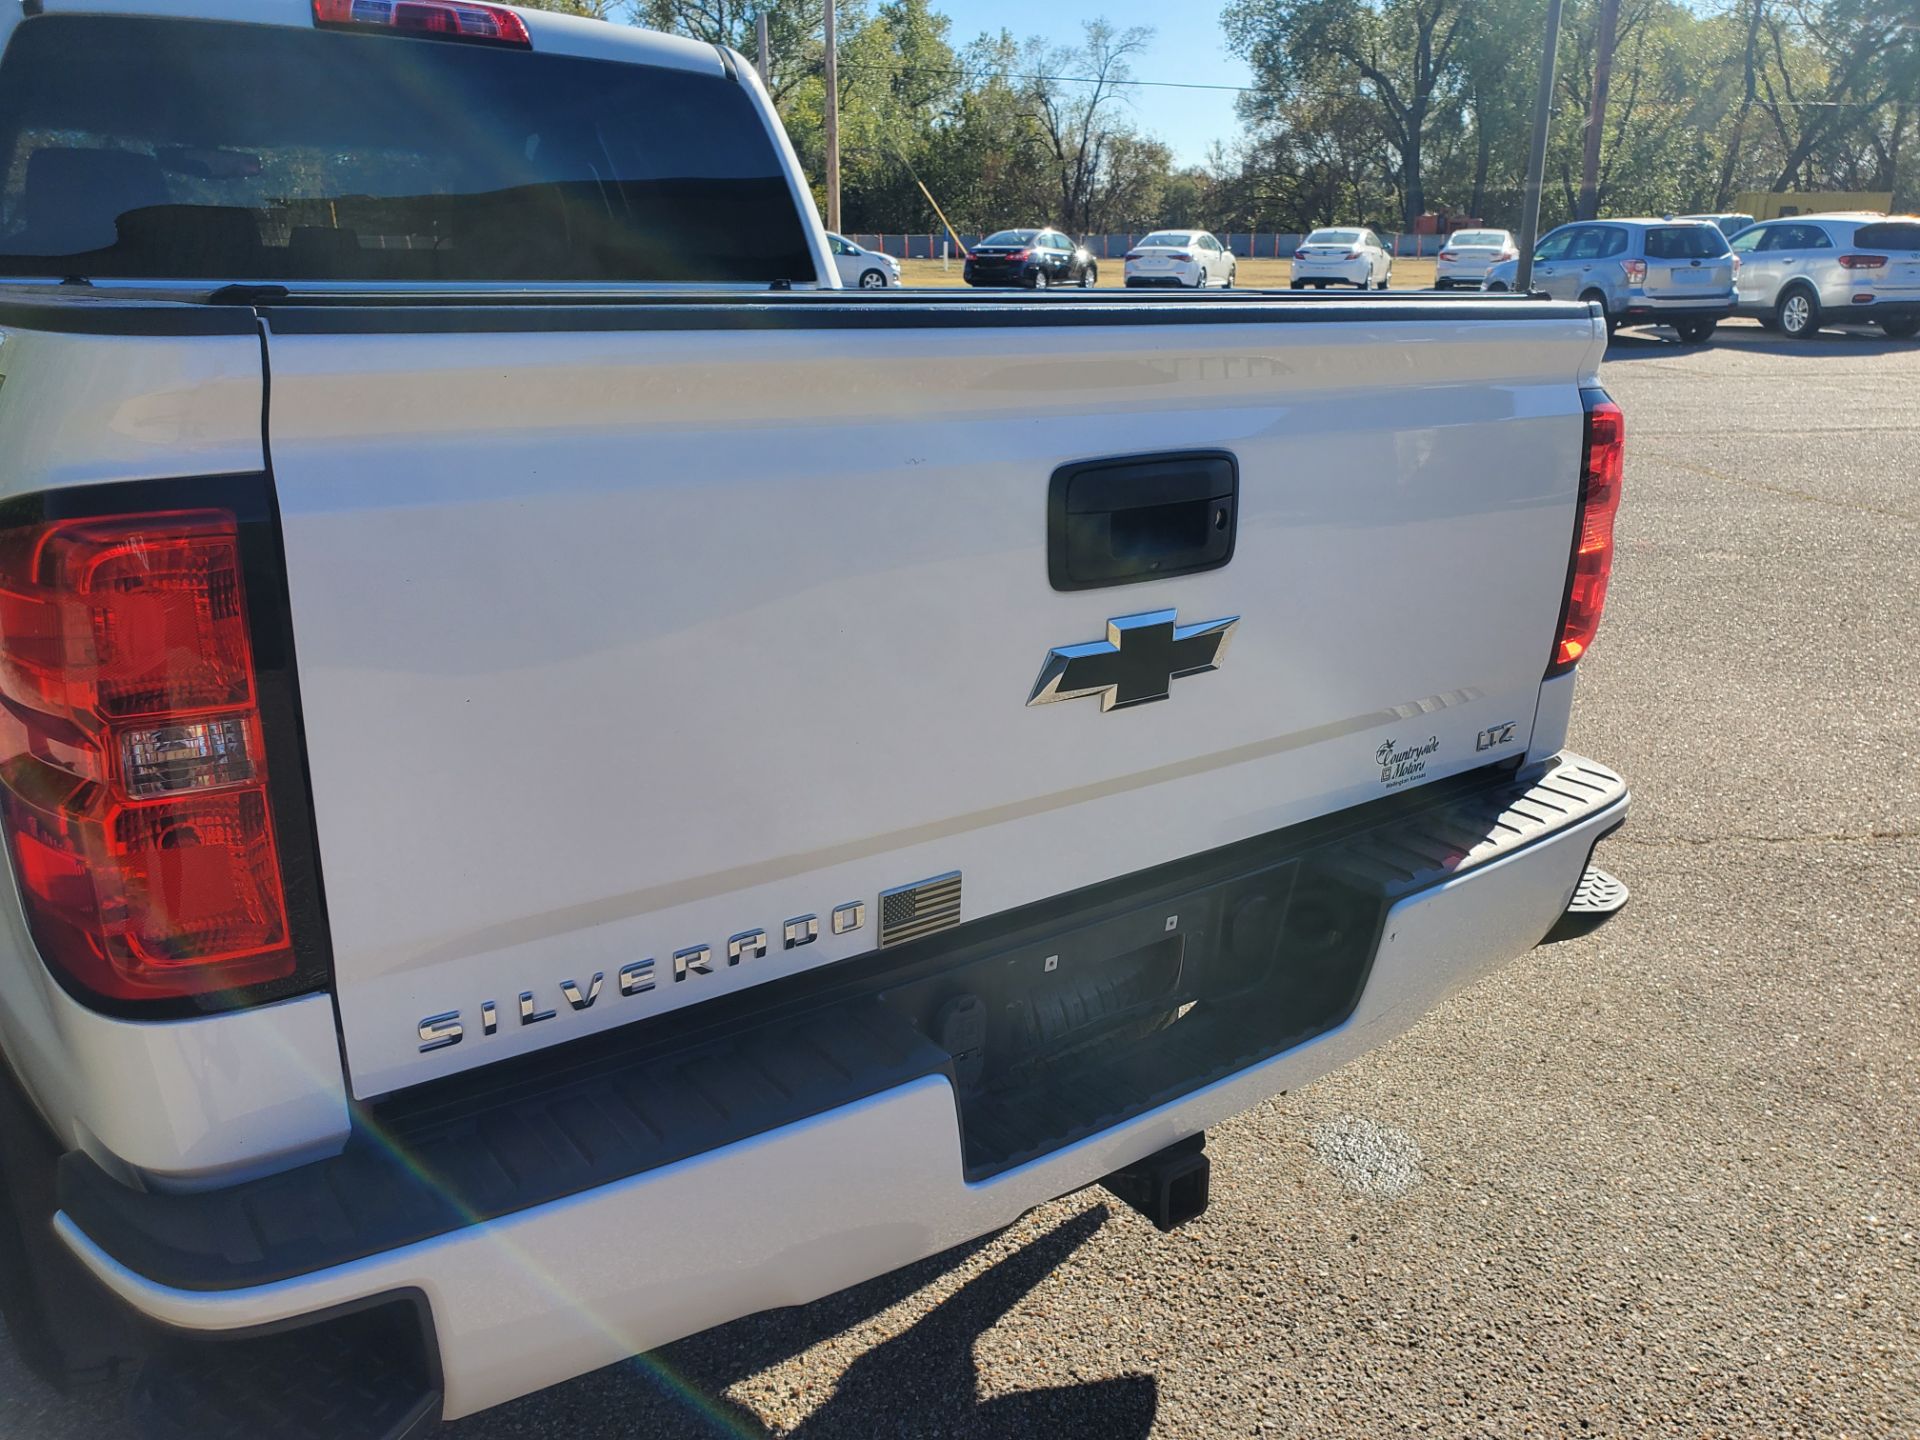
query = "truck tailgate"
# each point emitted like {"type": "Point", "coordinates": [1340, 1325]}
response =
{"type": "Point", "coordinates": [624, 631]}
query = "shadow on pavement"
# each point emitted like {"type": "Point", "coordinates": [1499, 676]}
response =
{"type": "Point", "coordinates": [923, 1381]}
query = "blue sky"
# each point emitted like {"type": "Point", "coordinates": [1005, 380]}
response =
{"type": "Point", "coordinates": [1186, 46]}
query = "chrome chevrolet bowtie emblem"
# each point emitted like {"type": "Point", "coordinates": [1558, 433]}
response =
{"type": "Point", "coordinates": [1138, 661]}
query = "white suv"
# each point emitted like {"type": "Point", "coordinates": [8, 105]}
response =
{"type": "Point", "coordinates": [1805, 271]}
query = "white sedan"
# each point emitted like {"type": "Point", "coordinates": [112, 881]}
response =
{"type": "Point", "coordinates": [1342, 255]}
{"type": "Point", "coordinates": [1190, 259]}
{"type": "Point", "coordinates": [860, 268]}
{"type": "Point", "coordinates": [1469, 254]}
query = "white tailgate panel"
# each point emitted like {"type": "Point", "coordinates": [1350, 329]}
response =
{"type": "Point", "coordinates": [616, 643]}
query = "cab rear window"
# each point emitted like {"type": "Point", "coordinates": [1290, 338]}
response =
{"type": "Point", "coordinates": [173, 149]}
{"type": "Point", "coordinates": [1888, 235]}
{"type": "Point", "coordinates": [1686, 242]}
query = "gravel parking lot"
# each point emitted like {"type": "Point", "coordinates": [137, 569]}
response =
{"type": "Point", "coordinates": [1662, 1181]}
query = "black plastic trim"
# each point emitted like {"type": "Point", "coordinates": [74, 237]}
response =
{"type": "Point", "coordinates": [506, 1137]}
{"type": "Point", "coordinates": [1063, 506]}
{"type": "Point", "coordinates": [224, 310]}
{"type": "Point", "coordinates": [270, 627]}
{"type": "Point", "coordinates": [98, 314]}
{"type": "Point", "coordinates": [1069, 308]}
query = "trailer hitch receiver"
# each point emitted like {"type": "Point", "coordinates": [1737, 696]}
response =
{"type": "Point", "coordinates": [1170, 1186]}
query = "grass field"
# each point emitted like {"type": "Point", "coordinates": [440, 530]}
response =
{"type": "Point", "coordinates": [1408, 274]}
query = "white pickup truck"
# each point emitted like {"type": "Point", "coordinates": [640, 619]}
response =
{"type": "Point", "coordinates": [565, 782]}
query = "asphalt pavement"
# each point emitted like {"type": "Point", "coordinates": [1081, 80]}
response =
{"type": "Point", "coordinates": [1661, 1181]}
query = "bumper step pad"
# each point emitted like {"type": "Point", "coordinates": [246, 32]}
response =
{"type": "Point", "coordinates": [1596, 899]}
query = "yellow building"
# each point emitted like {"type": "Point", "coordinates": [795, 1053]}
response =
{"type": "Point", "coordinates": [1771, 205]}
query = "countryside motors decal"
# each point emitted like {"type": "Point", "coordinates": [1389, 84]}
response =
{"type": "Point", "coordinates": [1401, 764]}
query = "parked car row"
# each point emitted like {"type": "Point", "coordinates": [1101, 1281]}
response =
{"type": "Point", "coordinates": [1794, 275]}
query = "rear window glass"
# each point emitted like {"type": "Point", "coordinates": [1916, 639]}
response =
{"type": "Point", "coordinates": [197, 150]}
{"type": "Point", "coordinates": [1334, 237]}
{"type": "Point", "coordinates": [1477, 237]}
{"type": "Point", "coordinates": [1686, 242]}
{"type": "Point", "coordinates": [1889, 235]}
{"type": "Point", "coordinates": [1173, 238]}
{"type": "Point", "coordinates": [1012, 237]}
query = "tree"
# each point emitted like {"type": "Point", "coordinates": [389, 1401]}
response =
{"type": "Point", "coordinates": [1077, 118]}
{"type": "Point", "coordinates": [1753, 12]}
{"type": "Point", "coordinates": [1496, 109]}
{"type": "Point", "coordinates": [1400, 55]}
{"type": "Point", "coordinates": [587, 9]}
{"type": "Point", "coordinates": [1831, 65]}
{"type": "Point", "coordinates": [793, 30]}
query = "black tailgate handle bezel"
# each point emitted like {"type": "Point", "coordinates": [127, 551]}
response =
{"type": "Point", "coordinates": [1120, 520]}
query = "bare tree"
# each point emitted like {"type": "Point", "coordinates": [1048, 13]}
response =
{"type": "Point", "coordinates": [1076, 95]}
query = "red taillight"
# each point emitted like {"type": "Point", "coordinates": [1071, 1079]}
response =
{"type": "Point", "coordinates": [1863, 262]}
{"type": "Point", "coordinates": [1181, 255]}
{"type": "Point", "coordinates": [1018, 254]}
{"type": "Point", "coordinates": [133, 775]}
{"type": "Point", "coordinates": [1602, 470]}
{"type": "Point", "coordinates": [1636, 270]}
{"type": "Point", "coordinates": [456, 19]}
{"type": "Point", "coordinates": [1449, 255]}
{"type": "Point", "coordinates": [1352, 255]}
{"type": "Point", "coordinates": [1133, 255]}
{"type": "Point", "coordinates": [1507, 255]}
{"type": "Point", "coordinates": [1299, 254]}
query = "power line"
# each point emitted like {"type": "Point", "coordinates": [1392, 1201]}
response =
{"type": "Point", "coordinates": [965, 73]}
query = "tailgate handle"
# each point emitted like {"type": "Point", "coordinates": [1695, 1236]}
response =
{"type": "Point", "coordinates": [1144, 517]}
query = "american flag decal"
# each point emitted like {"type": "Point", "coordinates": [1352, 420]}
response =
{"type": "Point", "coordinates": [919, 909]}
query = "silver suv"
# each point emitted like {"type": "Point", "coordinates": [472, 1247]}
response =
{"type": "Point", "coordinates": [1805, 271]}
{"type": "Point", "coordinates": [1641, 272]}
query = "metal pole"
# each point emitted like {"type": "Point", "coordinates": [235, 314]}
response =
{"type": "Point", "coordinates": [1536, 152]}
{"type": "Point", "coordinates": [833, 127]}
{"type": "Point", "coordinates": [762, 60]}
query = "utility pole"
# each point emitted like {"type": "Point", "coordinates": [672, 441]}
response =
{"type": "Point", "coordinates": [1597, 112]}
{"type": "Point", "coordinates": [762, 59]}
{"type": "Point", "coordinates": [1537, 152]}
{"type": "Point", "coordinates": [833, 127]}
